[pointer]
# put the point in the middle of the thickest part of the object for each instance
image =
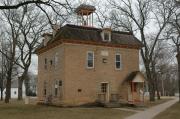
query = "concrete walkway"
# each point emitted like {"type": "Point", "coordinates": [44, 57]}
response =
{"type": "Point", "coordinates": [130, 110]}
{"type": "Point", "coordinates": [153, 111]}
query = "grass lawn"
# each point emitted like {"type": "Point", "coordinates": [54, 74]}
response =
{"type": "Point", "coordinates": [17, 110]}
{"type": "Point", "coordinates": [171, 113]}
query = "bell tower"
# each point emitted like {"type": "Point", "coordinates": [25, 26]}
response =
{"type": "Point", "coordinates": [85, 15]}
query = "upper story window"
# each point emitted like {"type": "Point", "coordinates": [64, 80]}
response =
{"type": "Point", "coordinates": [106, 35]}
{"type": "Point", "coordinates": [118, 61]}
{"type": "Point", "coordinates": [56, 60]}
{"type": "Point", "coordinates": [90, 59]}
{"type": "Point", "coordinates": [51, 62]}
{"type": "Point", "coordinates": [45, 63]}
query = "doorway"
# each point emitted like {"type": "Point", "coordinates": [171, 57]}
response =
{"type": "Point", "coordinates": [105, 91]}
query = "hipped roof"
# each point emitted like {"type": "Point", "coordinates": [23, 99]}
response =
{"type": "Point", "coordinates": [73, 32]}
{"type": "Point", "coordinates": [93, 36]}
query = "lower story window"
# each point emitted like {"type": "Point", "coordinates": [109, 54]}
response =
{"type": "Point", "coordinates": [45, 92]}
{"type": "Point", "coordinates": [60, 83]}
{"type": "Point", "coordinates": [45, 85]}
{"type": "Point", "coordinates": [57, 87]}
{"type": "Point", "coordinates": [56, 91]}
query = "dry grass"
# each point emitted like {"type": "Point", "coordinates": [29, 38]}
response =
{"type": "Point", "coordinates": [170, 113]}
{"type": "Point", "coordinates": [17, 110]}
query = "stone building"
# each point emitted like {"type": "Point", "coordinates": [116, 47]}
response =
{"type": "Point", "coordinates": [79, 64]}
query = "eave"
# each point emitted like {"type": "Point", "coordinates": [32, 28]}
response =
{"type": "Point", "coordinates": [58, 42]}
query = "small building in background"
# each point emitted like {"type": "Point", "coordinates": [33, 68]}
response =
{"type": "Point", "coordinates": [14, 89]}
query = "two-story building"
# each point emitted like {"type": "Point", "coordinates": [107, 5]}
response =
{"type": "Point", "coordinates": [82, 64]}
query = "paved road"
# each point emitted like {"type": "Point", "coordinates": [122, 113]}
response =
{"type": "Point", "coordinates": [153, 111]}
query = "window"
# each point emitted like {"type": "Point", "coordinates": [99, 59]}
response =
{"type": "Point", "coordinates": [103, 87]}
{"type": "Point", "coordinates": [118, 61]}
{"type": "Point", "coordinates": [51, 62]}
{"type": "Point", "coordinates": [106, 37]}
{"type": "Point", "coordinates": [56, 61]}
{"type": "Point", "coordinates": [45, 92]}
{"type": "Point", "coordinates": [56, 88]}
{"type": "Point", "coordinates": [45, 86]}
{"type": "Point", "coordinates": [79, 90]}
{"type": "Point", "coordinates": [45, 63]}
{"type": "Point", "coordinates": [90, 59]}
{"type": "Point", "coordinates": [60, 83]}
{"type": "Point", "coordinates": [56, 91]}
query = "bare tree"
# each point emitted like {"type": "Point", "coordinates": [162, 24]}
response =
{"type": "Point", "coordinates": [10, 52]}
{"type": "Point", "coordinates": [15, 4]}
{"type": "Point", "coordinates": [31, 29]}
{"type": "Point", "coordinates": [48, 7]}
{"type": "Point", "coordinates": [173, 33]}
{"type": "Point", "coordinates": [140, 13]}
{"type": "Point", "coordinates": [102, 15]}
{"type": "Point", "coordinates": [3, 63]}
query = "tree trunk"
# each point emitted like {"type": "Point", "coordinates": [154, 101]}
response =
{"type": "Point", "coordinates": [1, 93]}
{"type": "Point", "coordinates": [20, 83]}
{"type": "Point", "coordinates": [150, 83]}
{"type": "Point", "coordinates": [157, 88]}
{"type": "Point", "coordinates": [27, 86]}
{"type": "Point", "coordinates": [8, 86]}
{"type": "Point", "coordinates": [151, 92]}
{"type": "Point", "coordinates": [178, 61]}
{"type": "Point", "coordinates": [156, 84]}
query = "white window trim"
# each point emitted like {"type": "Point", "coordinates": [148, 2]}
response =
{"type": "Point", "coordinates": [87, 60]}
{"type": "Point", "coordinates": [120, 61]}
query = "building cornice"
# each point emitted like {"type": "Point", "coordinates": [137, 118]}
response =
{"type": "Point", "coordinates": [58, 42]}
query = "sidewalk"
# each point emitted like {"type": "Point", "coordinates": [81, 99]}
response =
{"type": "Point", "coordinates": [153, 111]}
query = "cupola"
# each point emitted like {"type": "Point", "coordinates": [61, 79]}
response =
{"type": "Point", "coordinates": [85, 14]}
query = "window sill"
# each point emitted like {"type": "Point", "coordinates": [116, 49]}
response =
{"type": "Point", "coordinates": [89, 68]}
{"type": "Point", "coordinates": [118, 69]}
